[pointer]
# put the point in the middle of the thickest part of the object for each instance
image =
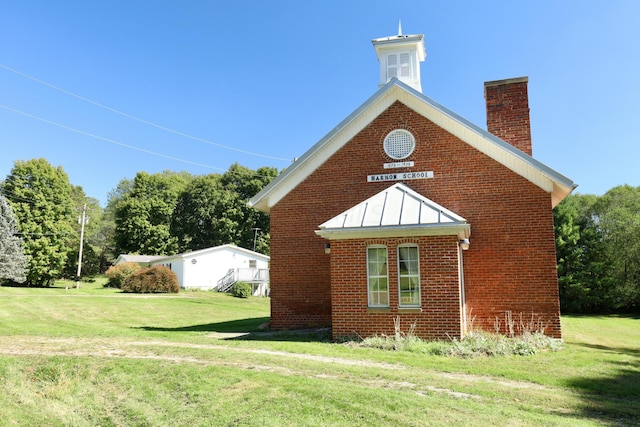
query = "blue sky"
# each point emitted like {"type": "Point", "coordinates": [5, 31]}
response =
{"type": "Point", "coordinates": [258, 83]}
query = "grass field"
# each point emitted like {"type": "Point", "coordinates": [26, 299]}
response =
{"type": "Point", "coordinates": [96, 357]}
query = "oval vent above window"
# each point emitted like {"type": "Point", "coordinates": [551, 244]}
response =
{"type": "Point", "coordinates": [399, 144]}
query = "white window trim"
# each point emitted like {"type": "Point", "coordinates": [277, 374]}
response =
{"type": "Point", "coordinates": [398, 65]}
{"type": "Point", "coordinates": [369, 276]}
{"type": "Point", "coordinates": [400, 304]}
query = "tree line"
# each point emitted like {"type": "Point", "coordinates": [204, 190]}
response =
{"type": "Point", "coordinates": [152, 214]}
{"type": "Point", "coordinates": [598, 251]}
{"type": "Point", "coordinates": [597, 237]}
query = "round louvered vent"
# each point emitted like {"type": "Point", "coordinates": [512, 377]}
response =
{"type": "Point", "coordinates": [399, 144]}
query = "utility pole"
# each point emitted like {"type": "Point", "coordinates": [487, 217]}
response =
{"type": "Point", "coordinates": [83, 220]}
{"type": "Point", "coordinates": [255, 237]}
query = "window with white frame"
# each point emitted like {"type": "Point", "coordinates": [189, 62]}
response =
{"type": "Point", "coordinates": [399, 65]}
{"type": "Point", "coordinates": [408, 276]}
{"type": "Point", "coordinates": [377, 276]}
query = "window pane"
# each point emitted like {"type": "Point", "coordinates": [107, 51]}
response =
{"type": "Point", "coordinates": [392, 66]}
{"type": "Point", "coordinates": [382, 269]}
{"type": "Point", "coordinates": [383, 298]}
{"type": "Point", "coordinates": [405, 65]}
{"type": "Point", "coordinates": [377, 279]}
{"type": "Point", "coordinates": [412, 267]}
{"type": "Point", "coordinates": [408, 276]}
{"type": "Point", "coordinates": [383, 284]}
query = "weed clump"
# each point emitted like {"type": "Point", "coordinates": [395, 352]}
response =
{"type": "Point", "coordinates": [156, 279]}
{"type": "Point", "coordinates": [476, 343]}
{"type": "Point", "coordinates": [480, 343]}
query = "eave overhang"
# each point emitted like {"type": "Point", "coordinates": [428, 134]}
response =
{"type": "Point", "coordinates": [501, 151]}
{"type": "Point", "coordinates": [397, 211]}
{"type": "Point", "coordinates": [463, 231]}
{"type": "Point", "coordinates": [410, 41]}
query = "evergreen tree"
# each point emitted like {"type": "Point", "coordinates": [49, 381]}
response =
{"type": "Point", "coordinates": [13, 262]}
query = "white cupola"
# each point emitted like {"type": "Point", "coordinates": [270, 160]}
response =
{"type": "Point", "coordinates": [400, 57]}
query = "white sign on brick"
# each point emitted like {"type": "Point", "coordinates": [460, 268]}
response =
{"type": "Point", "coordinates": [401, 176]}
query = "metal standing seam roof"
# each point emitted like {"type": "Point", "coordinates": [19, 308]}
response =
{"type": "Point", "coordinates": [397, 208]}
{"type": "Point", "coordinates": [535, 171]}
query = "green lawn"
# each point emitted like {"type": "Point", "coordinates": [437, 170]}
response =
{"type": "Point", "coordinates": [94, 356]}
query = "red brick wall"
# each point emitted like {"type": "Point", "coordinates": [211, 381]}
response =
{"type": "Point", "coordinates": [508, 111]}
{"type": "Point", "coordinates": [510, 265]}
{"type": "Point", "coordinates": [438, 318]}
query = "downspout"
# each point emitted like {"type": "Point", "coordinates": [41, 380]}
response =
{"type": "Point", "coordinates": [463, 305]}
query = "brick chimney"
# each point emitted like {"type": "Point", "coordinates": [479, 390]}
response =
{"type": "Point", "coordinates": [508, 111]}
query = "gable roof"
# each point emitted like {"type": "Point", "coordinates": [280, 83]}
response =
{"type": "Point", "coordinates": [140, 259]}
{"type": "Point", "coordinates": [230, 247]}
{"type": "Point", "coordinates": [501, 151]}
{"type": "Point", "coordinates": [396, 209]}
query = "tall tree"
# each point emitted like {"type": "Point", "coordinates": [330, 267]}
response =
{"type": "Point", "coordinates": [618, 214]}
{"type": "Point", "coordinates": [584, 275]}
{"type": "Point", "coordinates": [143, 215]}
{"type": "Point", "coordinates": [107, 244]}
{"type": "Point", "coordinates": [41, 198]}
{"type": "Point", "coordinates": [206, 215]}
{"type": "Point", "coordinates": [213, 210]}
{"type": "Point", "coordinates": [13, 263]}
{"type": "Point", "coordinates": [254, 229]}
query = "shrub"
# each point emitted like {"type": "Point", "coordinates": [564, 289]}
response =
{"type": "Point", "coordinates": [241, 290]}
{"type": "Point", "coordinates": [118, 274]}
{"type": "Point", "coordinates": [156, 279]}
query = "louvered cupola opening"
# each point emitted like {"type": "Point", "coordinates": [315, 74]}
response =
{"type": "Point", "coordinates": [400, 58]}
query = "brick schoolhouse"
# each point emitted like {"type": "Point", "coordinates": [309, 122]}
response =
{"type": "Point", "coordinates": [406, 211]}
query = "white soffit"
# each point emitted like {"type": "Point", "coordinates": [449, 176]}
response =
{"type": "Point", "coordinates": [397, 210]}
{"type": "Point", "coordinates": [536, 172]}
{"type": "Point", "coordinates": [322, 151]}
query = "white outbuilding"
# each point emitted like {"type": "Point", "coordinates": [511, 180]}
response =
{"type": "Point", "coordinates": [219, 268]}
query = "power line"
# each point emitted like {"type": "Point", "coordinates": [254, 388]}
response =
{"type": "Point", "coordinates": [12, 195]}
{"type": "Point", "coordinates": [112, 141]}
{"type": "Point", "coordinates": [41, 234]}
{"type": "Point", "coordinates": [138, 119]}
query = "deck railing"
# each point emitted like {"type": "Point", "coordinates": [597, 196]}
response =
{"type": "Point", "coordinates": [258, 278]}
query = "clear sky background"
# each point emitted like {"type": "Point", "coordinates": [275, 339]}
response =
{"type": "Point", "coordinates": [98, 87]}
